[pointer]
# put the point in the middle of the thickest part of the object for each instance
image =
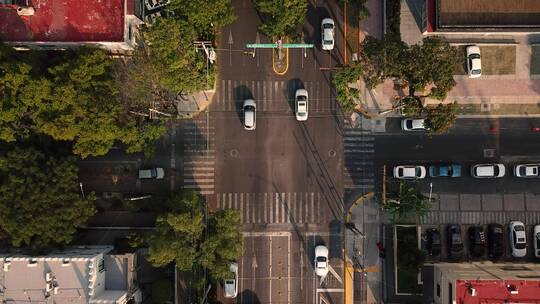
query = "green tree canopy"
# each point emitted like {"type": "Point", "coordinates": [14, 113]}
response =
{"type": "Point", "coordinates": [185, 238]}
{"type": "Point", "coordinates": [71, 97]}
{"type": "Point", "coordinates": [441, 117]}
{"type": "Point", "coordinates": [346, 95]}
{"type": "Point", "coordinates": [406, 203]}
{"type": "Point", "coordinates": [40, 199]}
{"type": "Point", "coordinates": [430, 63]}
{"type": "Point", "coordinates": [281, 17]}
{"type": "Point", "coordinates": [200, 15]}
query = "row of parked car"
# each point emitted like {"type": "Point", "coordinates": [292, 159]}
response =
{"type": "Point", "coordinates": [479, 241]}
{"type": "Point", "coordinates": [453, 170]}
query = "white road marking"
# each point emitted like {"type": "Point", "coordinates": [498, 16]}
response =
{"type": "Point", "coordinates": [334, 273]}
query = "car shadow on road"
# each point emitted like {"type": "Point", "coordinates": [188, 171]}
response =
{"type": "Point", "coordinates": [241, 93]}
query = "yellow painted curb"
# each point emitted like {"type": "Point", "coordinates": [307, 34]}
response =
{"type": "Point", "coordinates": [349, 279]}
{"type": "Point", "coordinates": [286, 61]}
{"type": "Point", "coordinates": [358, 201]}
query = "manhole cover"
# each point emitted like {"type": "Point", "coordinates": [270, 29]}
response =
{"type": "Point", "coordinates": [332, 153]}
{"type": "Point", "coordinates": [234, 153]}
{"type": "Point", "coordinates": [489, 153]}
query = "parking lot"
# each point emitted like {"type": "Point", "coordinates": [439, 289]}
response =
{"type": "Point", "coordinates": [507, 255]}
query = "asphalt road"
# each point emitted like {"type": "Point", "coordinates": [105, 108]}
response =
{"type": "Point", "coordinates": [285, 177]}
{"type": "Point", "coordinates": [508, 141]}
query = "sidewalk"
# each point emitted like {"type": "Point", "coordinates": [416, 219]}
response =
{"type": "Point", "coordinates": [362, 252]}
{"type": "Point", "coordinates": [190, 105]}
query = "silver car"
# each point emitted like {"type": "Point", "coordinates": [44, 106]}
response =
{"type": "Point", "coordinates": [527, 170]}
{"type": "Point", "coordinates": [231, 284]}
{"type": "Point", "coordinates": [518, 239]}
{"type": "Point", "coordinates": [327, 34]}
{"type": "Point", "coordinates": [250, 114]}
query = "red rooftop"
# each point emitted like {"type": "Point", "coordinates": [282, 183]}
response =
{"type": "Point", "coordinates": [63, 21]}
{"type": "Point", "coordinates": [497, 291]}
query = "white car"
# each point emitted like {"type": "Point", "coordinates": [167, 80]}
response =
{"type": "Point", "coordinates": [231, 284]}
{"type": "Point", "coordinates": [488, 170]}
{"type": "Point", "coordinates": [526, 170]}
{"type": "Point", "coordinates": [409, 172]}
{"type": "Point", "coordinates": [301, 104]}
{"type": "Point", "coordinates": [518, 239]}
{"type": "Point", "coordinates": [536, 240]}
{"type": "Point", "coordinates": [157, 173]}
{"type": "Point", "coordinates": [327, 34]}
{"type": "Point", "coordinates": [250, 114]}
{"type": "Point", "coordinates": [409, 124]}
{"type": "Point", "coordinates": [474, 63]}
{"type": "Point", "coordinates": [321, 260]}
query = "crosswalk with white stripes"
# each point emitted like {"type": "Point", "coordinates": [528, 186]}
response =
{"type": "Point", "coordinates": [359, 159]}
{"type": "Point", "coordinates": [276, 208]}
{"type": "Point", "coordinates": [199, 155]}
{"type": "Point", "coordinates": [480, 217]}
{"type": "Point", "coordinates": [272, 96]}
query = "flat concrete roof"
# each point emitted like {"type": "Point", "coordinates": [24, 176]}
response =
{"type": "Point", "coordinates": [488, 13]}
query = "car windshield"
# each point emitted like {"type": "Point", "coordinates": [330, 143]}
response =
{"type": "Point", "coordinates": [521, 246]}
{"type": "Point", "coordinates": [474, 56]}
{"type": "Point", "coordinates": [495, 170]}
{"type": "Point", "coordinates": [476, 72]}
{"type": "Point", "coordinates": [328, 42]}
{"type": "Point", "coordinates": [408, 123]}
{"type": "Point", "coordinates": [301, 98]}
{"type": "Point", "coordinates": [321, 259]}
{"type": "Point", "coordinates": [519, 228]}
{"type": "Point", "coordinates": [456, 239]}
{"type": "Point", "coordinates": [249, 108]}
{"type": "Point", "coordinates": [417, 171]}
{"type": "Point", "coordinates": [328, 26]}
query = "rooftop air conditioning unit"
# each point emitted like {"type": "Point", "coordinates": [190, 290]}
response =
{"type": "Point", "coordinates": [25, 11]}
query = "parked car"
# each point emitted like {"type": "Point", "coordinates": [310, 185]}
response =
{"type": "Point", "coordinates": [250, 114]}
{"type": "Point", "coordinates": [230, 287]}
{"type": "Point", "coordinates": [327, 34]}
{"type": "Point", "coordinates": [301, 104]}
{"type": "Point", "coordinates": [527, 170]}
{"type": "Point", "coordinates": [488, 170]}
{"type": "Point", "coordinates": [495, 241]}
{"type": "Point", "coordinates": [409, 172]}
{"type": "Point", "coordinates": [474, 62]}
{"type": "Point", "coordinates": [455, 242]}
{"type": "Point", "coordinates": [410, 124]}
{"type": "Point", "coordinates": [445, 170]}
{"type": "Point", "coordinates": [321, 260]}
{"type": "Point", "coordinates": [477, 241]}
{"type": "Point", "coordinates": [157, 173]}
{"type": "Point", "coordinates": [536, 240]}
{"type": "Point", "coordinates": [433, 244]}
{"type": "Point", "coordinates": [518, 239]}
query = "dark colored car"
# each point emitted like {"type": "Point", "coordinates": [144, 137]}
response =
{"type": "Point", "coordinates": [433, 244]}
{"type": "Point", "coordinates": [455, 243]}
{"type": "Point", "coordinates": [477, 241]}
{"type": "Point", "coordinates": [495, 241]}
{"type": "Point", "coordinates": [445, 170]}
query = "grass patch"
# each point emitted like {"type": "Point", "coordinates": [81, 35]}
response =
{"type": "Point", "coordinates": [496, 60]}
{"type": "Point", "coordinates": [535, 60]}
{"type": "Point", "coordinates": [407, 281]}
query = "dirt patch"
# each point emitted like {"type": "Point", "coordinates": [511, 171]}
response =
{"type": "Point", "coordinates": [496, 60]}
{"type": "Point", "coordinates": [535, 60]}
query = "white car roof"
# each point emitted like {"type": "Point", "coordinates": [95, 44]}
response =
{"type": "Point", "coordinates": [302, 106]}
{"type": "Point", "coordinates": [409, 171]}
{"type": "Point", "coordinates": [485, 170]}
{"type": "Point", "coordinates": [418, 123]}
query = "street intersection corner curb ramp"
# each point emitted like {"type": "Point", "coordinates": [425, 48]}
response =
{"type": "Point", "coordinates": [357, 202]}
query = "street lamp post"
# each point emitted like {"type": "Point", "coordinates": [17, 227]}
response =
{"type": "Point", "coordinates": [430, 191]}
{"type": "Point", "coordinates": [82, 191]}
